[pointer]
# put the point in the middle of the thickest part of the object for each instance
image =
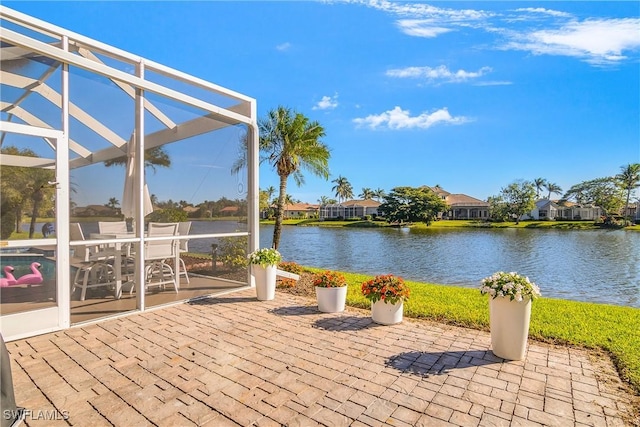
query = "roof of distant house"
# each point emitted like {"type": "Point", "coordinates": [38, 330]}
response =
{"type": "Point", "coordinates": [229, 209]}
{"type": "Point", "coordinates": [300, 207]}
{"type": "Point", "coordinates": [464, 200]}
{"type": "Point", "coordinates": [459, 199]}
{"type": "Point", "coordinates": [438, 190]}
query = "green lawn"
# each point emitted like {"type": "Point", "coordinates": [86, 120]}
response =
{"type": "Point", "coordinates": [25, 235]}
{"type": "Point", "coordinates": [560, 225]}
{"type": "Point", "coordinates": [548, 225]}
{"type": "Point", "coordinates": [611, 328]}
{"type": "Point", "coordinates": [316, 223]}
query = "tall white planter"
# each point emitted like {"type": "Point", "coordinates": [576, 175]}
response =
{"type": "Point", "coordinates": [265, 278]}
{"type": "Point", "coordinates": [331, 300]}
{"type": "Point", "coordinates": [509, 323]}
{"type": "Point", "coordinates": [387, 314]}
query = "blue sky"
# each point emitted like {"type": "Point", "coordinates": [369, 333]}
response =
{"type": "Point", "coordinates": [467, 95]}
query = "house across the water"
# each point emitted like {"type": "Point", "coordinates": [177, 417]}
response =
{"type": "Point", "coordinates": [462, 206]}
{"type": "Point", "coordinates": [350, 209]}
{"type": "Point", "coordinates": [546, 209]}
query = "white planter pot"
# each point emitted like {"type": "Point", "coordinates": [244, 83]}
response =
{"type": "Point", "coordinates": [265, 279]}
{"type": "Point", "coordinates": [331, 300]}
{"type": "Point", "coordinates": [387, 314]}
{"type": "Point", "coordinates": [509, 323]}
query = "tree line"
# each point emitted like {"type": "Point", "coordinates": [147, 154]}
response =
{"type": "Point", "coordinates": [408, 204]}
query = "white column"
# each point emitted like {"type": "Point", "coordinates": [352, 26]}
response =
{"type": "Point", "coordinates": [138, 168]}
{"type": "Point", "coordinates": [62, 205]}
{"type": "Point", "coordinates": [253, 186]}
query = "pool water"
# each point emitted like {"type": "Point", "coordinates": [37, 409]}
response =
{"type": "Point", "coordinates": [22, 265]}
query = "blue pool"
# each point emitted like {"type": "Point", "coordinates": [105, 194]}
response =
{"type": "Point", "coordinates": [22, 265]}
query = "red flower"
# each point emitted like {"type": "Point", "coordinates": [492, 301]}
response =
{"type": "Point", "coordinates": [387, 288]}
{"type": "Point", "coordinates": [329, 279]}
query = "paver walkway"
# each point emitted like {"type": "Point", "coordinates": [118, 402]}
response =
{"type": "Point", "coordinates": [233, 360]}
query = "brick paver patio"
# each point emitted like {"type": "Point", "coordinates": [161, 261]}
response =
{"type": "Point", "coordinates": [233, 360]}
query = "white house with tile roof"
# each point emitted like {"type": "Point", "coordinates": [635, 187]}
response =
{"type": "Point", "coordinates": [301, 210]}
{"type": "Point", "coordinates": [568, 211]}
{"type": "Point", "coordinates": [462, 206]}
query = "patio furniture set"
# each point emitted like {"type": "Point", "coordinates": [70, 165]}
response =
{"type": "Point", "coordinates": [105, 261]}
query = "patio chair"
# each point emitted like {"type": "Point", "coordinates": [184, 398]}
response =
{"type": "Point", "coordinates": [157, 271]}
{"type": "Point", "coordinates": [94, 270]}
{"type": "Point", "coordinates": [112, 227]}
{"type": "Point", "coordinates": [183, 247]}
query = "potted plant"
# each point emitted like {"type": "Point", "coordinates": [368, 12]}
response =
{"type": "Point", "coordinates": [331, 291]}
{"type": "Point", "coordinates": [509, 312]}
{"type": "Point", "coordinates": [387, 294]}
{"type": "Point", "coordinates": [264, 266]}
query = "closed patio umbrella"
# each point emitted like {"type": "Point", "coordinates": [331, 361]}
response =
{"type": "Point", "coordinates": [130, 193]}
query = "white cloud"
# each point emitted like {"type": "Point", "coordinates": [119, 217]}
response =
{"type": "Point", "coordinates": [284, 46]}
{"type": "Point", "coordinates": [426, 10]}
{"type": "Point", "coordinates": [493, 83]}
{"type": "Point", "coordinates": [424, 20]}
{"type": "Point", "coordinates": [440, 73]}
{"type": "Point", "coordinates": [421, 28]}
{"type": "Point", "coordinates": [598, 41]}
{"type": "Point", "coordinates": [401, 119]}
{"type": "Point", "coordinates": [209, 166]}
{"type": "Point", "coordinates": [544, 11]}
{"type": "Point", "coordinates": [326, 103]}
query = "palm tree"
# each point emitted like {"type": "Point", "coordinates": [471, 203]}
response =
{"type": "Point", "coordinates": [379, 194]}
{"type": "Point", "coordinates": [539, 183]}
{"type": "Point", "coordinates": [270, 192]}
{"type": "Point", "coordinates": [552, 188]}
{"type": "Point", "coordinates": [323, 200]}
{"type": "Point", "coordinates": [113, 203]}
{"type": "Point", "coordinates": [153, 157]}
{"type": "Point", "coordinates": [343, 188]}
{"type": "Point", "coordinates": [629, 179]}
{"type": "Point", "coordinates": [291, 142]}
{"type": "Point", "coordinates": [367, 193]}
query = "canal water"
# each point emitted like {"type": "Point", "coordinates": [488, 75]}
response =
{"type": "Point", "coordinates": [600, 266]}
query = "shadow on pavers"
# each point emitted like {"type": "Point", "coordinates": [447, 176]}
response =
{"type": "Point", "coordinates": [295, 310]}
{"type": "Point", "coordinates": [213, 300]}
{"type": "Point", "coordinates": [442, 362]}
{"type": "Point", "coordinates": [345, 323]}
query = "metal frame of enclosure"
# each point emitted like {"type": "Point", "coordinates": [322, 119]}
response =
{"type": "Point", "coordinates": [78, 103]}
